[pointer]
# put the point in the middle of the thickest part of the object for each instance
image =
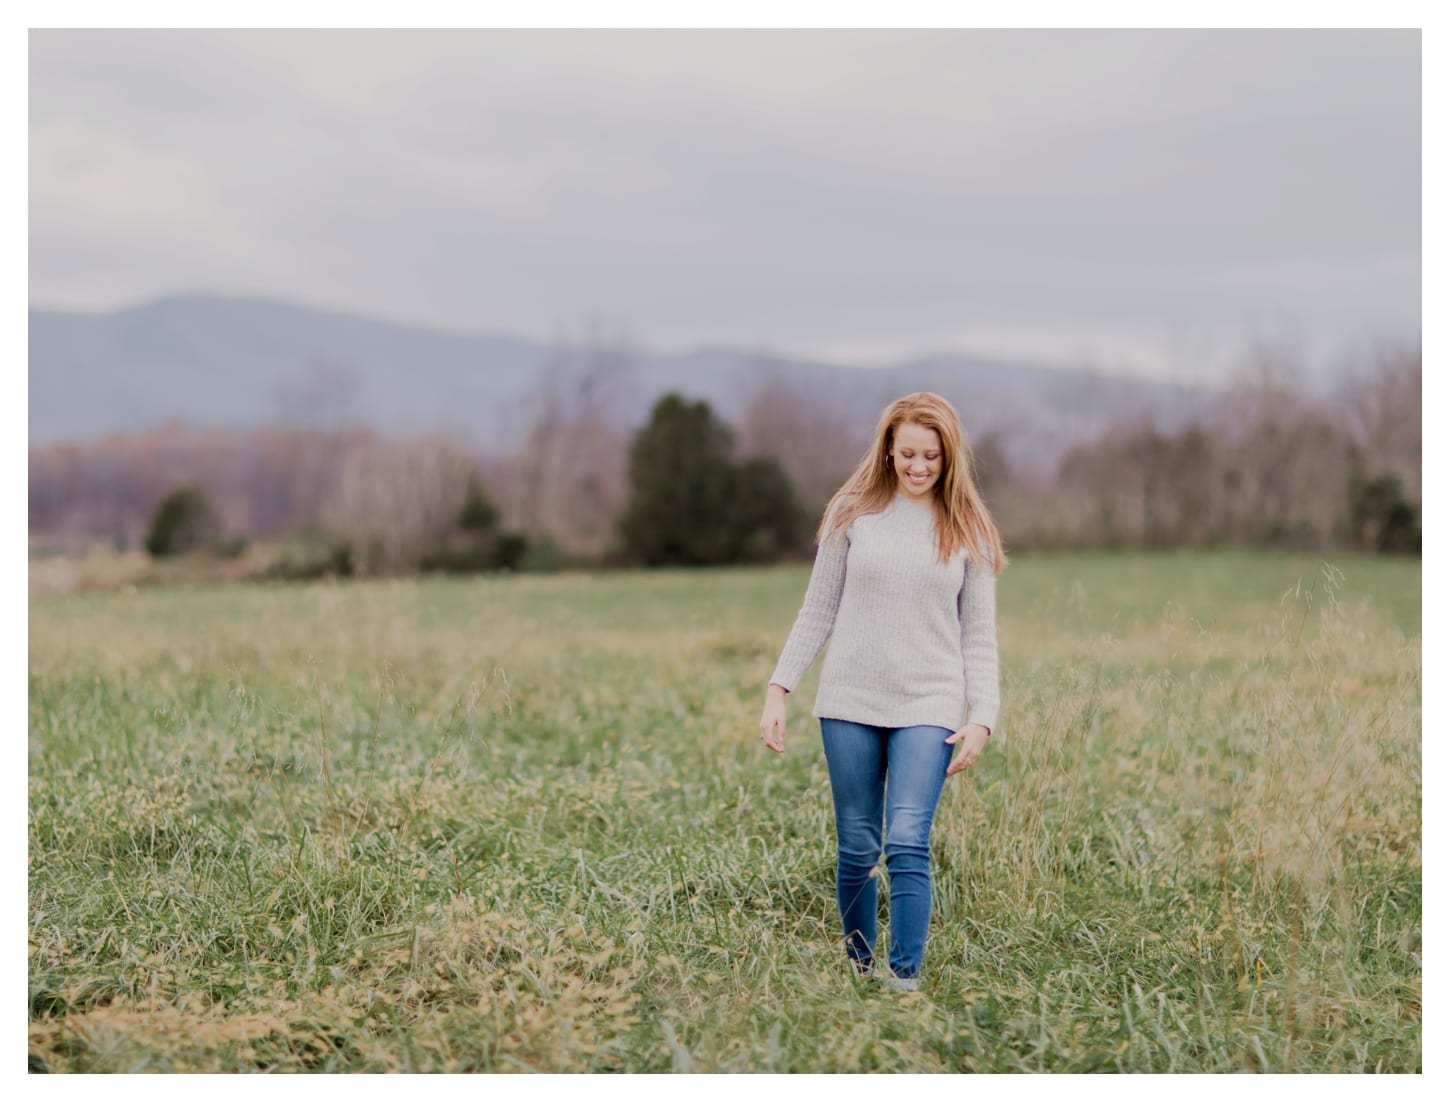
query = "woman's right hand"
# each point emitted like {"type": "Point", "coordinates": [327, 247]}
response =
{"type": "Point", "coordinates": [772, 719]}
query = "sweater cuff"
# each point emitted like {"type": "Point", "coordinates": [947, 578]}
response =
{"type": "Point", "coordinates": [781, 677]}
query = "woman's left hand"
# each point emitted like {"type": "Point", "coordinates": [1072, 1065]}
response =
{"type": "Point", "coordinates": [969, 741]}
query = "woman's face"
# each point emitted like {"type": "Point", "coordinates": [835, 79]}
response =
{"type": "Point", "coordinates": [917, 459]}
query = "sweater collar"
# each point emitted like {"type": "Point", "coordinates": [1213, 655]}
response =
{"type": "Point", "coordinates": [900, 499]}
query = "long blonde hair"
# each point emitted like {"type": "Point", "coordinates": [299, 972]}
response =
{"type": "Point", "coordinates": [962, 519]}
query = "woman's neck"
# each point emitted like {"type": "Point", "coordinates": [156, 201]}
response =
{"type": "Point", "coordinates": [926, 501]}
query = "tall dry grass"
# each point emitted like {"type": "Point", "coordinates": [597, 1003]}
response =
{"type": "Point", "coordinates": [525, 824]}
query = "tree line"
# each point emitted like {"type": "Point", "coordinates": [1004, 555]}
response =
{"type": "Point", "coordinates": [1269, 467]}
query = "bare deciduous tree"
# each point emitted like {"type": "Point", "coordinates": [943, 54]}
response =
{"type": "Point", "coordinates": [808, 434]}
{"type": "Point", "coordinates": [397, 500]}
{"type": "Point", "coordinates": [312, 410]}
{"type": "Point", "coordinates": [1384, 416]}
{"type": "Point", "coordinates": [568, 481]}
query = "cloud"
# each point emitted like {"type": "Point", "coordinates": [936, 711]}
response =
{"type": "Point", "coordinates": [812, 189]}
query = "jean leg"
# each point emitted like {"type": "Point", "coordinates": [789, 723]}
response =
{"type": "Point", "coordinates": [917, 760]}
{"type": "Point", "coordinates": [856, 761]}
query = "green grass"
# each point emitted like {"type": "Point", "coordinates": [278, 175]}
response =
{"type": "Point", "coordinates": [526, 824]}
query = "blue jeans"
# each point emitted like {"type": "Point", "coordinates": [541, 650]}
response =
{"type": "Point", "coordinates": [904, 769]}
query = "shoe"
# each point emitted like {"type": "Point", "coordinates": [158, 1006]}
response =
{"type": "Point", "coordinates": [900, 983]}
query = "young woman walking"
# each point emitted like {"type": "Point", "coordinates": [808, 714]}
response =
{"type": "Point", "coordinates": [904, 584]}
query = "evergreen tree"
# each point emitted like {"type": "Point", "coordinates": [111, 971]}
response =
{"type": "Point", "coordinates": [766, 514]}
{"type": "Point", "coordinates": [476, 543]}
{"type": "Point", "coordinates": [691, 505]}
{"type": "Point", "coordinates": [478, 513]}
{"type": "Point", "coordinates": [1380, 515]}
{"type": "Point", "coordinates": [185, 520]}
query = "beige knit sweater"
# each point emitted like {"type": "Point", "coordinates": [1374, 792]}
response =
{"type": "Point", "coordinates": [913, 639]}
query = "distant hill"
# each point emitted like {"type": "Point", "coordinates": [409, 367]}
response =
{"type": "Point", "coordinates": [235, 363]}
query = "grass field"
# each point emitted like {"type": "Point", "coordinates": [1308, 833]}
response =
{"type": "Point", "coordinates": [526, 824]}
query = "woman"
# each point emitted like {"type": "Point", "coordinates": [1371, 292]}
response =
{"type": "Point", "coordinates": [904, 584]}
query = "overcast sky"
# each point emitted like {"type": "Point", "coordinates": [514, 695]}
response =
{"type": "Point", "coordinates": [1150, 202]}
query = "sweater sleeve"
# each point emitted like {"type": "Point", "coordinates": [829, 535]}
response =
{"type": "Point", "coordinates": [817, 617]}
{"type": "Point", "coordinates": [979, 643]}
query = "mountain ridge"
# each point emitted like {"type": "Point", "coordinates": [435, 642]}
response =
{"type": "Point", "coordinates": [240, 362]}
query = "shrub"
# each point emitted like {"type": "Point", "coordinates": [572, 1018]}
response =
{"type": "Point", "coordinates": [332, 561]}
{"type": "Point", "coordinates": [184, 521]}
{"type": "Point", "coordinates": [475, 544]}
{"type": "Point", "coordinates": [1381, 516]}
